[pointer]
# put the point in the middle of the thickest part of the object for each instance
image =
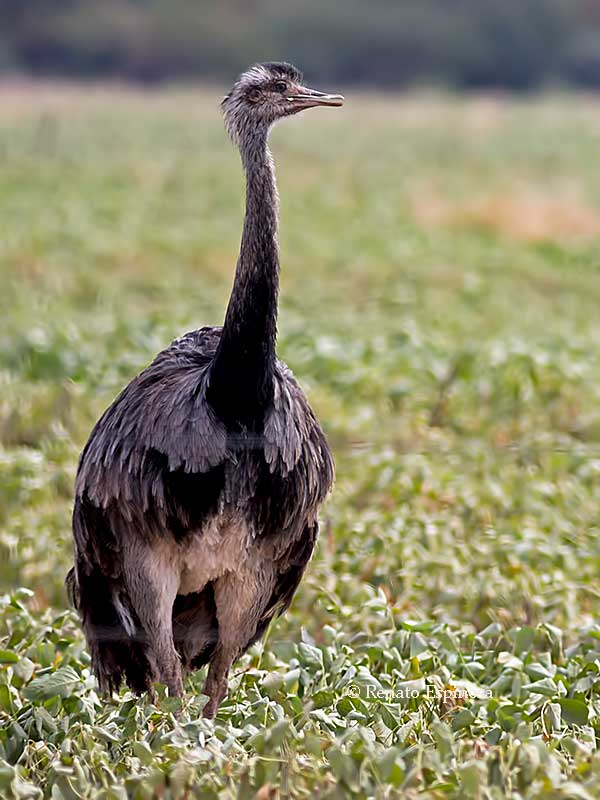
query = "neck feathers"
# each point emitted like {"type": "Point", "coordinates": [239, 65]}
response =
{"type": "Point", "coordinates": [242, 371]}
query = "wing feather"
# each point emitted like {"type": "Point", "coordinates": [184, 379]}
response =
{"type": "Point", "coordinates": [163, 410]}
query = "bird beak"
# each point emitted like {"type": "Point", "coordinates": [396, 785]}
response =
{"type": "Point", "coordinates": [308, 98]}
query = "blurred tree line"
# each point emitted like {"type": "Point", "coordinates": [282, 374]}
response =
{"type": "Point", "coordinates": [511, 43]}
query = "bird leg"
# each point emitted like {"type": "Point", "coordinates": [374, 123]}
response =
{"type": "Point", "coordinates": [240, 598]}
{"type": "Point", "coordinates": [195, 629]}
{"type": "Point", "coordinates": [165, 665]}
{"type": "Point", "coordinates": [152, 588]}
{"type": "Point", "coordinates": [215, 686]}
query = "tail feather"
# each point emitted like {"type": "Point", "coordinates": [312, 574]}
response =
{"type": "Point", "coordinates": [112, 630]}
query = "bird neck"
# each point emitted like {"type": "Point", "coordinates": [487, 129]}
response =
{"type": "Point", "coordinates": [242, 372]}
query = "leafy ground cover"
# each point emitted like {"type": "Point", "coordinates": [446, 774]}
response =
{"type": "Point", "coordinates": [440, 295]}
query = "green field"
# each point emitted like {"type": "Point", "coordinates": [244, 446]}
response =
{"type": "Point", "coordinates": [440, 305]}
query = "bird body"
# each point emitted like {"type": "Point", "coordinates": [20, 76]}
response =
{"type": "Point", "coordinates": [197, 493]}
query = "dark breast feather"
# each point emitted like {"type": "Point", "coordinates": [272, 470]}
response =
{"type": "Point", "coordinates": [159, 455]}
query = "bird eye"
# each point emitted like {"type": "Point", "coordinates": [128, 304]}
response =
{"type": "Point", "coordinates": [281, 86]}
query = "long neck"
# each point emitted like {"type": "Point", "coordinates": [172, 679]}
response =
{"type": "Point", "coordinates": [242, 371]}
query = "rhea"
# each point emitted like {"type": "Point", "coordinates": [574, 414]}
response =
{"type": "Point", "coordinates": [197, 492]}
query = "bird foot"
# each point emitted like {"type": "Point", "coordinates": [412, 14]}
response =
{"type": "Point", "coordinates": [216, 692]}
{"type": "Point", "coordinates": [210, 709]}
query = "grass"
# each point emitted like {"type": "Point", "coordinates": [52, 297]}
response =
{"type": "Point", "coordinates": [440, 295]}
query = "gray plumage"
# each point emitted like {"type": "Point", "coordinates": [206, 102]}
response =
{"type": "Point", "coordinates": [197, 493]}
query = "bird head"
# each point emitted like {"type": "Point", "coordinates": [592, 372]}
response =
{"type": "Point", "coordinates": [268, 92]}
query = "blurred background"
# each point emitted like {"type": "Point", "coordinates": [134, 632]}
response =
{"type": "Point", "coordinates": [517, 44]}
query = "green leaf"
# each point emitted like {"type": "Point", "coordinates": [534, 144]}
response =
{"type": "Point", "coordinates": [546, 687]}
{"type": "Point", "coordinates": [5, 698]}
{"type": "Point", "coordinates": [343, 765]}
{"type": "Point", "coordinates": [8, 657]}
{"type": "Point", "coordinates": [417, 626]}
{"type": "Point", "coordinates": [272, 684]}
{"type": "Point", "coordinates": [142, 751]}
{"type": "Point", "coordinates": [492, 631]}
{"type": "Point", "coordinates": [59, 683]}
{"type": "Point", "coordinates": [24, 669]}
{"type": "Point", "coordinates": [311, 656]}
{"type": "Point", "coordinates": [574, 712]}
{"type": "Point", "coordinates": [463, 719]}
{"type": "Point", "coordinates": [391, 766]}
{"type": "Point", "coordinates": [443, 739]}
